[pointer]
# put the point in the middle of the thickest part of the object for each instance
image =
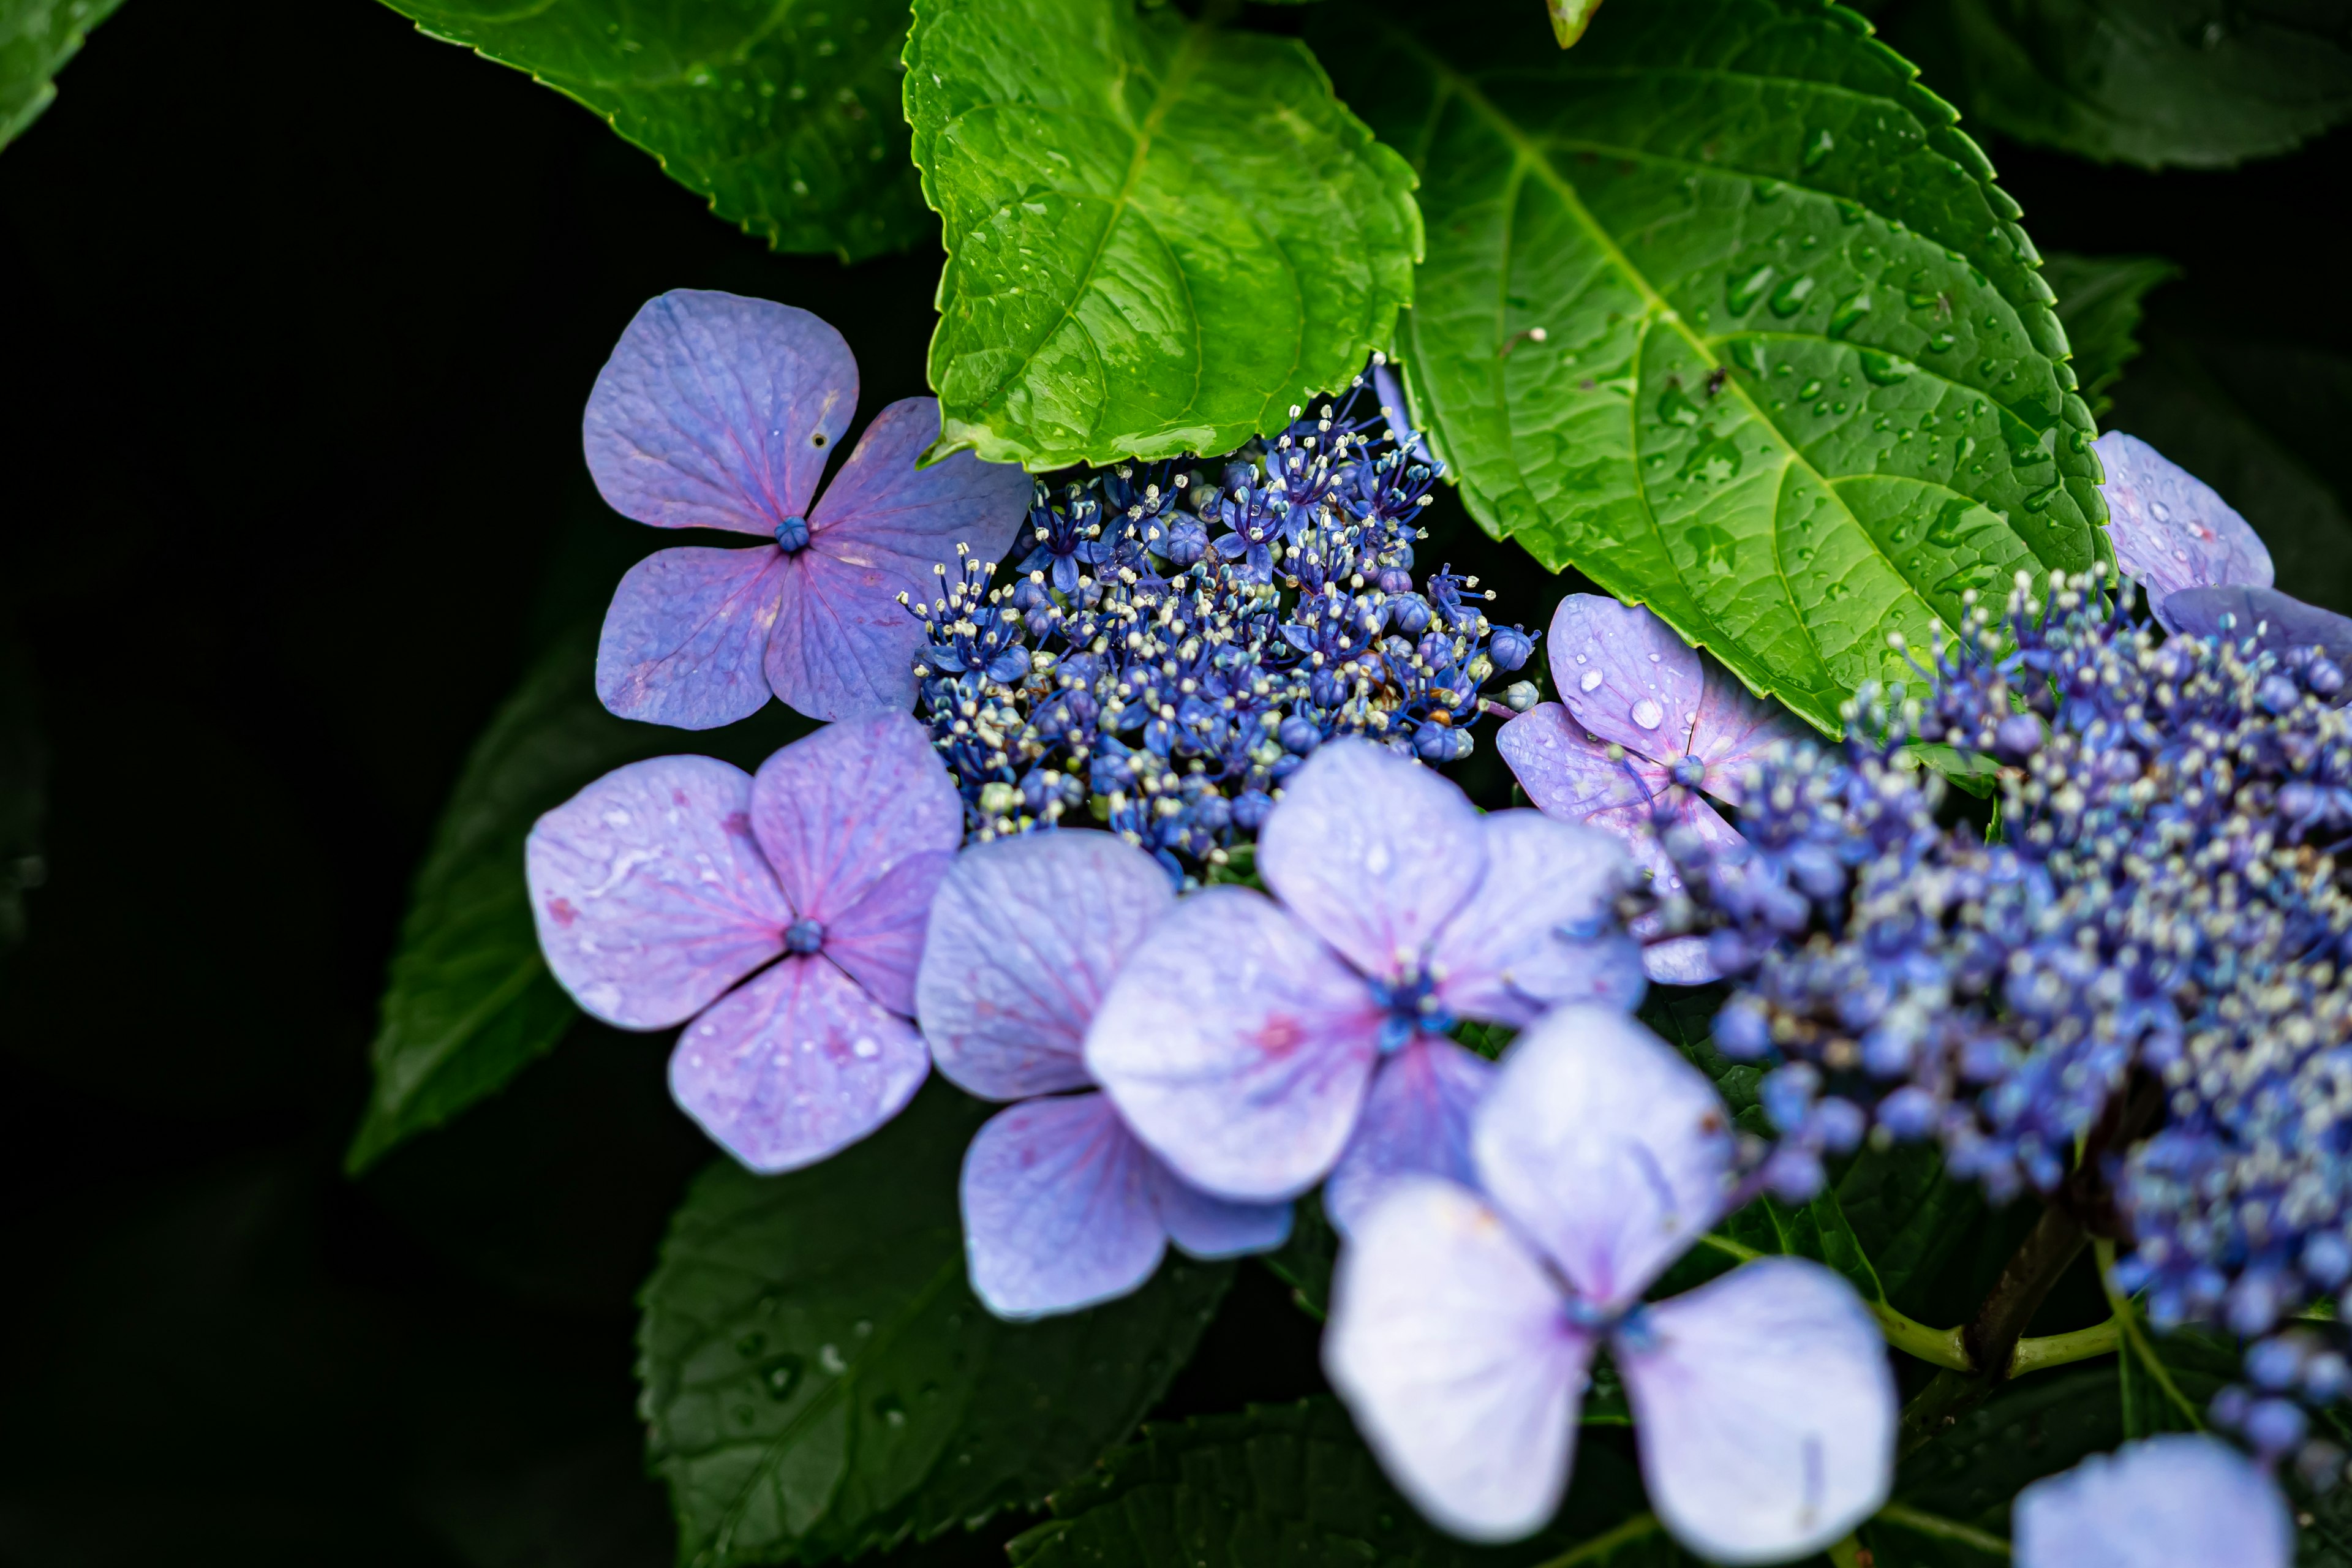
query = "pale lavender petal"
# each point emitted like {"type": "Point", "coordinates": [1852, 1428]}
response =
{"type": "Point", "coordinates": [1624, 675]}
{"type": "Point", "coordinates": [1206, 1225]}
{"type": "Point", "coordinates": [2168, 528]}
{"type": "Point", "coordinates": [2269, 618]}
{"type": "Point", "coordinates": [1606, 1147]}
{"type": "Point", "coordinates": [1570, 778]}
{"type": "Point", "coordinates": [1237, 1046]}
{"type": "Point", "coordinates": [1448, 1342]}
{"type": "Point", "coordinates": [1416, 1119]}
{"type": "Point", "coordinates": [716, 411]}
{"type": "Point", "coordinates": [878, 939]}
{"type": "Point", "coordinates": [795, 1067]}
{"type": "Point", "coordinates": [1373, 851]}
{"type": "Point", "coordinates": [1059, 1209]}
{"type": "Point", "coordinates": [1765, 1410]}
{"type": "Point", "coordinates": [686, 639]}
{"type": "Point", "coordinates": [2179, 1501]}
{"type": "Point", "coordinates": [1735, 729]}
{"type": "Point", "coordinates": [650, 894]}
{"type": "Point", "coordinates": [1542, 928]}
{"type": "Point", "coordinates": [838, 809]}
{"type": "Point", "coordinates": [1025, 938]}
{"type": "Point", "coordinates": [1679, 961]}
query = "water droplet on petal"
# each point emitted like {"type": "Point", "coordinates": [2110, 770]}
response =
{"type": "Point", "coordinates": [1648, 714]}
{"type": "Point", "coordinates": [1592, 679]}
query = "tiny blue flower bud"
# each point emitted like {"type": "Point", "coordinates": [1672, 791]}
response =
{"type": "Point", "coordinates": [2277, 694]}
{"type": "Point", "coordinates": [1743, 1031]}
{"type": "Point", "coordinates": [1409, 613]}
{"type": "Point", "coordinates": [803, 937]}
{"type": "Point", "coordinates": [1250, 807]}
{"type": "Point", "coordinates": [2275, 1363]}
{"type": "Point", "coordinates": [1509, 647]}
{"type": "Point", "coordinates": [1520, 696]}
{"type": "Point", "coordinates": [1908, 1113]}
{"type": "Point", "coordinates": [1794, 1174]}
{"type": "Point", "coordinates": [1395, 579]}
{"type": "Point", "coordinates": [2325, 679]}
{"type": "Point", "coordinates": [1839, 1124]}
{"type": "Point", "coordinates": [2326, 1376]}
{"type": "Point", "coordinates": [1787, 1094]}
{"type": "Point", "coordinates": [1299, 736]}
{"type": "Point", "coordinates": [2274, 1426]}
{"type": "Point", "coordinates": [2326, 1261]}
{"type": "Point", "coordinates": [2018, 736]}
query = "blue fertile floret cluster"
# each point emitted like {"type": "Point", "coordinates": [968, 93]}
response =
{"type": "Point", "coordinates": [1174, 644]}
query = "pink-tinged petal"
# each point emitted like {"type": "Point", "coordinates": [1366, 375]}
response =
{"type": "Point", "coordinates": [650, 894]}
{"type": "Point", "coordinates": [883, 514]}
{"type": "Point", "coordinates": [839, 651]}
{"type": "Point", "coordinates": [1736, 729]}
{"type": "Point", "coordinates": [1206, 1225]}
{"type": "Point", "coordinates": [686, 639]}
{"type": "Point", "coordinates": [1541, 929]}
{"type": "Point", "coordinates": [1237, 1046]}
{"type": "Point", "coordinates": [1605, 1146]}
{"type": "Point", "coordinates": [2170, 530]}
{"type": "Point", "coordinates": [1416, 1120]}
{"type": "Point", "coordinates": [1624, 675]}
{"type": "Point", "coordinates": [1373, 851]}
{"type": "Point", "coordinates": [1449, 1344]}
{"type": "Point", "coordinates": [1570, 778]}
{"type": "Point", "coordinates": [2174, 1502]}
{"type": "Point", "coordinates": [836, 810]}
{"type": "Point", "coordinates": [1765, 1410]}
{"type": "Point", "coordinates": [878, 939]}
{"type": "Point", "coordinates": [716, 411]}
{"type": "Point", "coordinates": [1679, 961]}
{"type": "Point", "coordinates": [1025, 938]}
{"type": "Point", "coordinates": [795, 1067]}
{"type": "Point", "coordinates": [2269, 618]}
{"type": "Point", "coordinates": [1059, 1209]}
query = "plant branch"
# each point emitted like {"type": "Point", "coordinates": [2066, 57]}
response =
{"type": "Point", "coordinates": [1640, 1527]}
{"type": "Point", "coordinates": [1942, 1529]}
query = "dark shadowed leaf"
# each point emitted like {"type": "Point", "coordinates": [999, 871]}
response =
{"type": "Point", "coordinates": [819, 1378]}
{"type": "Point", "coordinates": [2099, 305]}
{"type": "Point", "coordinates": [36, 38]}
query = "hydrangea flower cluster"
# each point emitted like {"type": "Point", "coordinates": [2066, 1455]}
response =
{"type": "Point", "coordinates": [1174, 645]}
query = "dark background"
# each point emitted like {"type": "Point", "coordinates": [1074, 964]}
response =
{"type": "Point", "coordinates": [301, 309]}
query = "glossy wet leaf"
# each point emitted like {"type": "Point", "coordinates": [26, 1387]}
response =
{"type": "Point", "coordinates": [1907, 1215]}
{"type": "Point", "coordinates": [469, 1003]}
{"type": "Point", "coordinates": [36, 38]}
{"type": "Point", "coordinates": [786, 117]}
{"type": "Point", "coordinates": [819, 1378]}
{"type": "Point", "coordinates": [1294, 1486]}
{"type": "Point", "coordinates": [1160, 234]}
{"type": "Point", "coordinates": [2099, 305]}
{"type": "Point", "coordinates": [2198, 83]}
{"type": "Point", "coordinates": [1723, 309]}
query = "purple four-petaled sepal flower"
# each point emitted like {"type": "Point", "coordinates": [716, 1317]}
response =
{"type": "Point", "coordinates": [2169, 529]}
{"type": "Point", "coordinates": [1687, 728]}
{"type": "Point", "coordinates": [2174, 1502]}
{"type": "Point", "coordinates": [1464, 1322]}
{"type": "Point", "coordinates": [780, 918]}
{"type": "Point", "coordinates": [717, 411]}
{"type": "Point", "coordinates": [1062, 1207]}
{"type": "Point", "coordinates": [1257, 1045]}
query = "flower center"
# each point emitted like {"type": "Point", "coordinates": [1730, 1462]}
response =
{"type": "Point", "coordinates": [803, 937]}
{"type": "Point", "coordinates": [792, 535]}
{"type": "Point", "coordinates": [1413, 1008]}
{"type": "Point", "coordinates": [1688, 772]}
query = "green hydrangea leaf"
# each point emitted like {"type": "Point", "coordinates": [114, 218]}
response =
{"type": "Point", "coordinates": [786, 117]}
{"type": "Point", "coordinates": [1162, 234]}
{"type": "Point", "coordinates": [469, 1003]}
{"type": "Point", "coordinates": [1722, 309]}
{"type": "Point", "coordinates": [2193, 83]}
{"type": "Point", "coordinates": [36, 38]}
{"type": "Point", "coordinates": [819, 1378]}
{"type": "Point", "coordinates": [1294, 1486]}
{"type": "Point", "coordinates": [1908, 1216]}
{"type": "Point", "coordinates": [2099, 305]}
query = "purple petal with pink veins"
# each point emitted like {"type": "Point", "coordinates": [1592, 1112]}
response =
{"type": "Point", "coordinates": [1373, 851]}
{"type": "Point", "coordinates": [716, 411]}
{"type": "Point", "coordinates": [1765, 1410]}
{"type": "Point", "coordinates": [840, 650]}
{"type": "Point", "coordinates": [1450, 1344]}
{"type": "Point", "coordinates": [2178, 1501]}
{"type": "Point", "coordinates": [1205, 1226]}
{"type": "Point", "coordinates": [1059, 1208]}
{"type": "Point", "coordinates": [650, 894]}
{"type": "Point", "coordinates": [1025, 938]}
{"type": "Point", "coordinates": [1416, 1120]}
{"type": "Point", "coordinates": [1736, 729]}
{"type": "Point", "coordinates": [2169, 529]}
{"type": "Point", "coordinates": [878, 939]}
{"type": "Point", "coordinates": [1237, 1046]}
{"type": "Point", "coordinates": [1541, 929]}
{"type": "Point", "coordinates": [836, 810]}
{"type": "Point", "coordinates": [1570, 778]}
{"type": "Point", "coordinates": [795, 1066]}
{"type": "Point", "coordinates": [1624, 675]}
{"type": "Point", "coordinates": [1609, 1149]}
{"type": "Point", "coordinates": [2267, 617]}
{"type": "Point", "coordinates": [686, 639]}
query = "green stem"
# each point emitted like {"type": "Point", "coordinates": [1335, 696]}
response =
{"type": "Point", "coordinates": [1942, 1529]}
{"type": "Point", "coordinates": [2057, 1350]}
{"type": "Point", "coordinates": [2127, 1316]}
{"type": "Point", "coordinates": [1639, 1528]}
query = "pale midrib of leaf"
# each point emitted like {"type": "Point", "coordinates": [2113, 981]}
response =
{"type": "Point", "coordinates": [464, 1028]}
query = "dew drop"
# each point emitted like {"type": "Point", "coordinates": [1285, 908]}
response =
{"type": "Point", "coordinates": [1591, 682]}
{"type": "Point", "coordinates": [1648, 714]}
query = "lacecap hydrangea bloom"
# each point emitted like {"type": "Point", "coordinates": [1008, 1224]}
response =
{"type": "Point", "coordinates": [1258, 1044]}
{"type": "Point", "coordinates": [720, 411]}
{"type": "Point", "coordinates": [1466, 1314]}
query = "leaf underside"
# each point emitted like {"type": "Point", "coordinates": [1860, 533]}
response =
{"type": "Point", "coordinates": [1160, 234]}
{"type": "Point", "coordinates": [787, 118]}
{"type": "Point", "coordinates": [1798, 386]}
{"type": "Point", "coordinates": [36, 38]}
{"type": "Point", "coordinates": [819, 1378]}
